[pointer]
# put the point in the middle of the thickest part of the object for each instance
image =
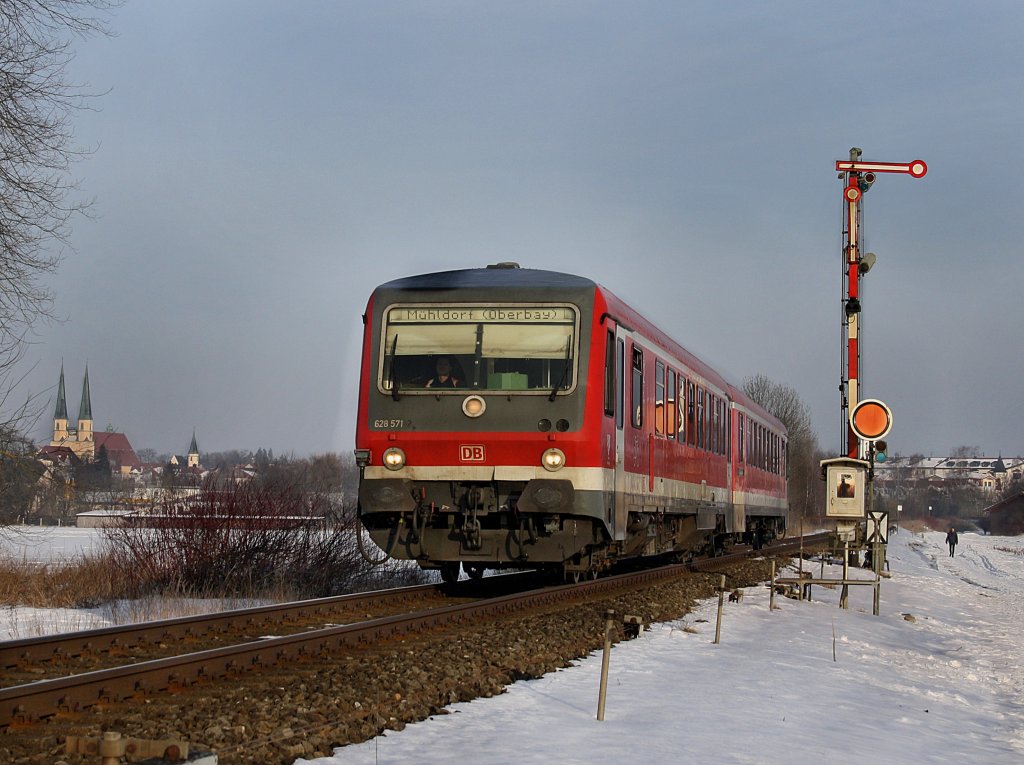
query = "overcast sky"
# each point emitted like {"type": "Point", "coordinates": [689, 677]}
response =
{"type": "Point", "coordinates": [260, 167]}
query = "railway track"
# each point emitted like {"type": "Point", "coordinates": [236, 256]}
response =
{"type": "Point", "coordinates": [445, 608]}
{"type": "Point", "coordinates": [33, 659]}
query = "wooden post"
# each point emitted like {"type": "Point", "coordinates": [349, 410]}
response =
{"type": "Point", "coordinates": [609, 625]}
{"type": "Point", "coordinates": [877, 555]}
{"type": "Point", "coordinates": [771, 591]}
{"type": "Point", "coordinates": [721, 603]}
{"type": "Point", "coordinates": [844, 596]}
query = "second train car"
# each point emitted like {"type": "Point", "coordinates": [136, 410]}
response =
{"type": "Point", "coordinates": [519, 418]}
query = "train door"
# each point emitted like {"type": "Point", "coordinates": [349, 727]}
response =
{"type": "Point", "coordinates": [619, 521]}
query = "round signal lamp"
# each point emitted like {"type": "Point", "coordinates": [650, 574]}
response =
{"type": "Point", "coordinates": [871, 419]}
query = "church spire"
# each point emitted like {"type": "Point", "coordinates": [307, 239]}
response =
{"type": "Point", "coordinates": [85, 408]}
{"type": "Point", "coordinates": [61, 412]}
{"type": "Point", "coordinates": [85, 414]}
{"type": "Point", "coordinates": [193, 451]}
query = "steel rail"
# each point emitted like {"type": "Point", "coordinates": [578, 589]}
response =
{"type": "Point", "coordinates": [47, 647]}
{"type": "Point", "coordinates": [24, 704]}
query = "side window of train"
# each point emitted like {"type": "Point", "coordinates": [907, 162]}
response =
{"type": "Point", "coordinates": [671, 408]}
{"type": "Point", "coordinates": [700, 418]}
{"type": "Point", "coordinates": [681, 405]}
{"type": "Point", "coordinates": [716, 435]}
{"type": "Point", "coordinates": [720, 425]}
{"type": "Point", "coordinates": [739, 435]}
{"type": "Point", "coordinates": [620, 386]}
{"type": "Point", "coordinates": [725, 428]}
{"type": "Point", "coordinates": [691, 413]}
{"type": "Point", "coordinates": [659, 398]}
{"type": "Point", "coordinates": [609, 375]}
{"type": "Point", "coordinates": [712, 441]}
{"type": "Point", "coordinates": [636, 400]}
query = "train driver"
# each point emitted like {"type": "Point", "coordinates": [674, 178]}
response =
{"type": "Point", "coordinates": [443, 377]}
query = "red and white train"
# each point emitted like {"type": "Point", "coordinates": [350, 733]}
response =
{"type": "Point", "coordinates": [519, 418]}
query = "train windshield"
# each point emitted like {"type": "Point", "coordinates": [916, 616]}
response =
{"type": "Point", "coordinates": [517, 348]}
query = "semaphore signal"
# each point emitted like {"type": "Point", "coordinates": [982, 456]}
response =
{"type": "Point", "coordinates": [859, 177]}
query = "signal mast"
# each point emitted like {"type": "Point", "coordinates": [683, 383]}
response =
{"type": "Point", "coordinates": [866, 421]}
{"type": "Point", "coordinates": [858, 177]}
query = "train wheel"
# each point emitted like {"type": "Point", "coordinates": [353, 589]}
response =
{"type": "Point", "coordinates": [475, 571]}
{"type": "Point", "coordinates": [450, 572]}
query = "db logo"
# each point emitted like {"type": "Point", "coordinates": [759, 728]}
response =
{"type": "Point", "coordinates": [471, 453]}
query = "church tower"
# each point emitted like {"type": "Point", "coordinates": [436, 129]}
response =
{"type": "Point", "coordinates": [193, 452]}
{"type": "Point", "coordinates": [60, 414]}
{"type": "Point", "coordinates": [85, 412]}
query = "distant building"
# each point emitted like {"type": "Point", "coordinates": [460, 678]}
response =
{"type": "Point", "coordinates": [82, 441]}
{"type": "Point", "coordinates": [1006, 518]}
{"type": "Point", "coordinates": [901, 475]}
{"type": "Point", "coordinates": [79, 439]}
{"type": "Point", "coordinates": [190, 460]}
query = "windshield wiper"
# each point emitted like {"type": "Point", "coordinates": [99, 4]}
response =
{"type": "Point", "coordinates": [392, 377]}
{"type": "Point", "coordinates": [565, 372]}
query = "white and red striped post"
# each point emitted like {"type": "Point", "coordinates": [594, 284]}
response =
{"type": "Point", "coordinates": [858, 176]}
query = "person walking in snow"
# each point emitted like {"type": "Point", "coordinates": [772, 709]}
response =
{"type": "Point", "coordinates": [951, 540]}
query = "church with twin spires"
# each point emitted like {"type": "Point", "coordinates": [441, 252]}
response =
{"type": "Point", "coordinates": [82, 443]}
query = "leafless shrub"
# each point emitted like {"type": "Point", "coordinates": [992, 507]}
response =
{"type": "Point", "coordinates": [242, 539]}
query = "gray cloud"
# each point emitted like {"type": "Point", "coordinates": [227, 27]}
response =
{"type": "Point", "coordinates": [259, 168]}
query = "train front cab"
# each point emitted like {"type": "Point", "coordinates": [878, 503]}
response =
{"type": "Point", "coordinates": [503, 468]}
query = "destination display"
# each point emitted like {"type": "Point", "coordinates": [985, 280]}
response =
{"type": "Point", "coordinates": [481, 314]}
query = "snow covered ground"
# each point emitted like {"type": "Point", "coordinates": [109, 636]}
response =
{"type": "Point", "coordinates": [945, 685]}
{"type": "Point", "coordinates": [45, 544]}
{"type": "Point", "coordinates": [55, 544]}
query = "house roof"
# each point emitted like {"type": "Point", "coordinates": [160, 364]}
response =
{"type": "Point", "coordinates": [59, 454]}
{"type": "Point", "coordinates": [1003, 504]}
{"type": "Point", "coordinates": [119, 449]}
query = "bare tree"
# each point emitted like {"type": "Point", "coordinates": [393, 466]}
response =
{"type": "Point", "coordinates": [36, 152]}
{"type": "Point", "coordinates": [965, 451]}
{"type": "Point", "coordinates": [19, 475]}
{"type": "Point", "coordinates": [806, 494]}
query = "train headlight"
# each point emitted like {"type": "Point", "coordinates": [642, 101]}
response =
{"type": "Point", "coordinates": [473, 406]}
{"type": "Point", "coordinates": [394, 458]}
{"type": "Point", "coordinates": [553, 459]}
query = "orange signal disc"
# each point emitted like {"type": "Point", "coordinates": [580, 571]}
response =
{"type": "Point", "coordinates": [871, 419]}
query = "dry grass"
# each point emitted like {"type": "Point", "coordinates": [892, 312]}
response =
{"type": "Point", "coordinates": [79, 583]}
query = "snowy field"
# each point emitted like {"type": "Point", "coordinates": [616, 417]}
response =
{"type": "Point", "coordinates": [936, 678]}
{"type": "Point", "coordinates": [55, 544]}
{"type": "Point", "coordinates": [944, 687]}
{"type": "Point", "coordinates": [43, 544]}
